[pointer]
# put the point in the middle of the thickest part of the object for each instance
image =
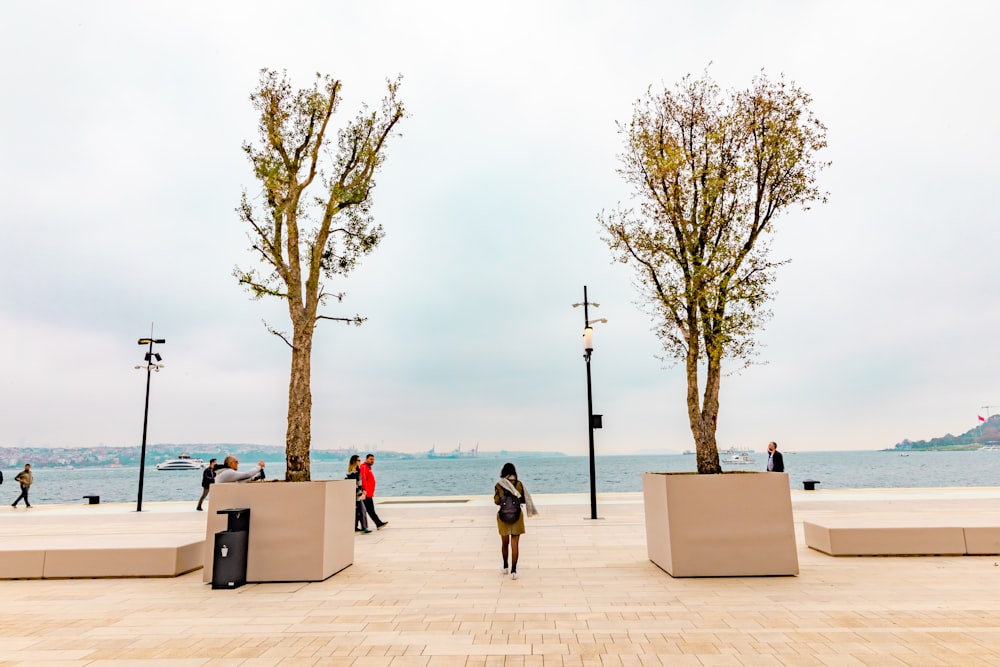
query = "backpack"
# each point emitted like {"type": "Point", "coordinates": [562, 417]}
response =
{"type": "Point", "coordinates": [510, 508]}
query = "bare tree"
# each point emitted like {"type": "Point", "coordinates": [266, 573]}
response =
{"type": "Point", "coordinates": [300, 235]}
{"type": "Point", "coordinates": [711, 171]}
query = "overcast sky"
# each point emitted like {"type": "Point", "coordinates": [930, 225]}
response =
{"type": "Point", "coordinates": [121, 125]}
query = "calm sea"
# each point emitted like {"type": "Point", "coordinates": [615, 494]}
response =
{"type": "Point", "coordinates": [563, 474]}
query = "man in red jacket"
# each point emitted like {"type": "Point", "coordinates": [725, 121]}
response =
{"type": "Point", "coordinates": [368, 484]}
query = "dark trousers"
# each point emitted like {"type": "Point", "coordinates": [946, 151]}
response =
{"type": "Point", "coordinates": [360, 520]}
{"type": "Point", "coordinates": [370, 508]}
{"type": "Point", "coordinates": [24, 494]}
{"type": "Point", "coordinates": [204, 494]}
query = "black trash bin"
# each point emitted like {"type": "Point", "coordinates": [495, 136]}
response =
{"type": "Point", "coordinates": [229, 559]}
{"type": "Point", "coordinates": [810, 484]}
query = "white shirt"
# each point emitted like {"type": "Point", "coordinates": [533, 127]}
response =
{"type": "Point", "coordinates": [230, 475]}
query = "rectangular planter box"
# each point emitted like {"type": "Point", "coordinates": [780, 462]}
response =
{"type": "Point", "coordinates": [299, 531]}
{"type": "Point", "coordinates": [726, 525]}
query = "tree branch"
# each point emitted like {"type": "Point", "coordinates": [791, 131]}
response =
{"type": "Point", "coordinates": [277, 333]}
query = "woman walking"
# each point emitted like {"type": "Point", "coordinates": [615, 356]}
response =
{"type": "Point", "coordinates": [360, 518]}
{"type": "Point", "coordinates": [510, 495]}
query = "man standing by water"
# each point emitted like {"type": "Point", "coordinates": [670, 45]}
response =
{"type": "Point", "coordinates": [775, 463]}
{"type": "Point", "coordinates": [229, 473]}
{"type": "Point", "coordinates": [207, 479]}
{"type": "Point", "coordinates": [368, 484]}
{"type": "Point", "coordinates": [25, 479]}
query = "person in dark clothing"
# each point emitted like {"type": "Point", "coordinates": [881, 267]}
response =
{"type": "Point", "coordinates": [24, 478]}
{"type": "Point", "coordinates": [775, 463]}
{"type": "Point", "coordinates": [207, 479]}
{"type": "Point", "coordinates": [360, 518]}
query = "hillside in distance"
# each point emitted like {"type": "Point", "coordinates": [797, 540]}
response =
{"type": "Point", "coordinates": [128, 456]}
{"type": "Point", "coordinates": [987, 433]}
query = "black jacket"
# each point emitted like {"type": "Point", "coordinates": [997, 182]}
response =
{"type": "Point", "coordinates": [207, 477]}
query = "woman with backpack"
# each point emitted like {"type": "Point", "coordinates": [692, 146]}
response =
{"type": "Point", "coordinates": [509, 494]}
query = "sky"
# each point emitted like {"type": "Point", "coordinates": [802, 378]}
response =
{"type": "Point", "coordinates": [121, 128]}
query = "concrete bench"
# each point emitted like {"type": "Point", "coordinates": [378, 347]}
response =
{"type": "Point", "coordinates": [55, 559]}
{"type": "Point", "coordinates": [117, 560]}
{"type": "Point", "coordinates": [22, 564]}
{"type": "Point", "coordinates": [846, 537]}
{"type": "Point", "coordinates": [982, 540]}
{"type": "Point", "coordinates": [155, 561]}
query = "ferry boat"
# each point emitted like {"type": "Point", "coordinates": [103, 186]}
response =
{"type": "Point", "coordinates": [736, 456]}
{"type": "Point", "coordinates": [182, 462]}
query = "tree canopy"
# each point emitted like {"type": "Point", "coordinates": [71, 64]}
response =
{"type": "Point", "coordinates": [710, 172]}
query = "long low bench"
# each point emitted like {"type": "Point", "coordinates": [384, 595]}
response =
{"type": "Point", "coordinates": [114, 561]}
{"type": "Point", "coordinates": [901, 537]}
{"type": "Point", "coordinates": [101, 540]}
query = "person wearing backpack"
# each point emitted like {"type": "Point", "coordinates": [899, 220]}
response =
{"type": "Point", "coordinates": [510, 495]}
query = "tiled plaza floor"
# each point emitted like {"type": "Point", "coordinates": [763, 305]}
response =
{"type": "Point", "coordinates": [427, 591]}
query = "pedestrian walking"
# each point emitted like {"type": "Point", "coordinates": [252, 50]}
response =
{"type": "Point", "coordinates": [25, 479]}
{"type": "Point", "coordinates": [368, 484]}
{"type": "Point", "coordinates": [514, 501]}
{"type": "Point", "coordinates": [360, 517]}
{"type": "Point", "coordinates": [207, 480]}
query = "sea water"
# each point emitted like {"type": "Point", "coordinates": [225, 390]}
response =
{"type": "Point", "coordinates": [540, 474]}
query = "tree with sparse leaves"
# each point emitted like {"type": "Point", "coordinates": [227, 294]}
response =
{"type": "Point", "coordinates": [312, 220]}
{"type": "Point", "coordinates": [711, 171]}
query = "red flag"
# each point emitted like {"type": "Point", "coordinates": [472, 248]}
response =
{"type": "Point", "coordinates": [981, 418]}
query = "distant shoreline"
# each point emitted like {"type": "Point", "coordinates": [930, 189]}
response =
{"type": "Point", "coordinates": [41, 460]}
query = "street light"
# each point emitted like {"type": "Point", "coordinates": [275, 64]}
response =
{"type": "Point", "coordinates": [593, 421]}
{"type": "Point", "coordinates": [152, 364]}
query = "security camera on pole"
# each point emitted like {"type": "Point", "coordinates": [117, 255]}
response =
{"type": "Point", "coordinates": [593, 421]}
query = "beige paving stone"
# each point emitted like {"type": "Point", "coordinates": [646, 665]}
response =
{"type": "Point", "coordinates": [429, 590]}
{"type": "Point", "coordinates": [447, 661]}
{"type": "Point", "coordinates": [148, 663]}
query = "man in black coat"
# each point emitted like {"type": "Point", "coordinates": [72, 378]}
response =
{"type": "Point", "coordinates": [207, 480]}
{"type": "Point", "coordinates": [774, 461]}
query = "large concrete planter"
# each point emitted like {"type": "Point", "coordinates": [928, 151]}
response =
{"type": "Point", "coordinates": [299, 531]}
{"type": "Point", "coordinates": [727, 525]}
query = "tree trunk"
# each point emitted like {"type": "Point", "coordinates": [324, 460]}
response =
{"type": "Point", "coordinates": [299, 435]}
{"type": "Point", "coordinates": [703, 415]}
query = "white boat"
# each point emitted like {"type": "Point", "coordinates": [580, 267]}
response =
{"type": "Point", "coordinates": [182, 462]}
{"type": "Point", "coordinates": [736, 456]}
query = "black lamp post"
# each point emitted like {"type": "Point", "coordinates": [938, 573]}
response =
{"type": "Point", "coordinates": [593, 421]}
{"type": "Point", "coordinates": [152, 364]}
